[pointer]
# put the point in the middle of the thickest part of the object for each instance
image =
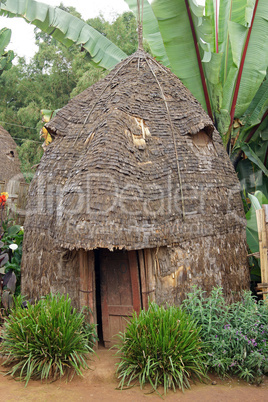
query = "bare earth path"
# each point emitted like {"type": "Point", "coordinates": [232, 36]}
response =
{"type": "Point", "coordinates": [99, 385]}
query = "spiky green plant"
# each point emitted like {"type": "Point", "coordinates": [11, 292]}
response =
{"type": "Point", "coordinates": [45, 340]}
{"type": "Point", "coordinates": [160, 346]}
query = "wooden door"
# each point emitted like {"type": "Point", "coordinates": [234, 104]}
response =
{"type": "Point", "coordinates": [120, 291]}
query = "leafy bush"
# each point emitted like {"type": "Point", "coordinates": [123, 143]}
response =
{"type": "Point", "coordinates": [236, 335]}
{"type": "Point", "coordinates": [46, 340]}
{"type": "Point", "coordinates": [11, 239]}
{"type": "Point", "coordinates": [89, 328]}
{"type": "Point", "coordinates": [11, 244]}
{"type": "Point", "coordinates": [161, 346]}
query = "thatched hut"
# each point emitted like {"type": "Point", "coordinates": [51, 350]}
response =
{"type": "Point", "coordinates": [11, 178]}
{"type": "Point", "coordinates": [9, 160]}
{"type": "Point", "coordinates": [135, 197]}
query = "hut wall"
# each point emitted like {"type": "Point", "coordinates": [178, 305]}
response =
{"type": "Point", "coordinates": [48, 268]}
{"type": "Point", "coordinates": [201, 262]}
{"type": "Point", "coordinates": [9, 159]}
{"type": "Point", "coordinates": [170, 271]}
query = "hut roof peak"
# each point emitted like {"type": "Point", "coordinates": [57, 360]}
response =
{"type": "Point", "coordinates": [122, 143]}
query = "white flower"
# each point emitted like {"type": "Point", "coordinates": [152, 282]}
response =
{"type": "Point", "coordinates": [13, 246]}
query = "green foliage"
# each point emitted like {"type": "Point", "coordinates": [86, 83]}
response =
{"type": "Point", "coordinates": [151, 31]}
{"type": "Point", "coordinates": [12, 237]}
{"type": "Point", "coordinates": [6, 57]}
{"type": "Point", "coordinates": [257, 200]}
{"type": "Point", "coordinates": [161, 346]}
{"type": "Point", "coordinates": [45, 340]}
{"type": "Point", "coordinates": [89, 328]}
{"type": "Point", "coordinates": [250, 139]}
{"type": "Point", "coordinates": [85, 74]}
{"type": "Point", "coordinates": [225, 69]}
{"type": "Point", "coordinates": [236, 335]}
{"type": "Point", "coordinates": [49, 80]}
{"type": "Point", "coordinates": [67, 29]}
{"type": "Point", "coordinates": [221, 38]}
{"type": "Point", "coordinates": [122, 31]}
{"type": "Point", "coordinates": [30, 154]}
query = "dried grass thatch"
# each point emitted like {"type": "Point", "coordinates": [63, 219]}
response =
{"type": "Point", "coordinates": [136, 163]}
{"type": "Point", "coordinates": [9, 160]}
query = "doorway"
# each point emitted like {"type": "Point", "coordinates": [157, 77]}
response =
{"type": "Point", "coordinates": [112, 283]}
{"type": "Point", "coordinates": [117, 291]}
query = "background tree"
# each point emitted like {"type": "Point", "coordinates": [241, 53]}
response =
{"type": "Point", "coordinates": [50, 79]}
{"type": "Point", "coordinates": [66, 28]}
{"type": "Point", "coordinates": [6, 57]}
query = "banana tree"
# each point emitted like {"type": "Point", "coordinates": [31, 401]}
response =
{"type": "Point", "coordinates": [221, 56]}
{"type": "Point", "coordinates": [6, 57]}
{"type": "Point", "coordinates": [219, 51]}
{"type": "Point", "coordinates": [250, 139]}
{"type": "Point", "coordinates": [66, 28]}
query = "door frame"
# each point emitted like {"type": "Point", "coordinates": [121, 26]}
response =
{"type": "Point", "coordinates": [87, 279]}
{"type": "Point", "coordinates": [113, 308]}
{"type": "Point", "coordinates": [87, 282]}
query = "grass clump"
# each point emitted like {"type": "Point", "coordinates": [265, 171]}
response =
{"type": "Point", "coordinates": [236, 335]}
{"type": "Point", "coordinates": [46, 340]}
{"type": "Point", "coordinates": [160, 346]}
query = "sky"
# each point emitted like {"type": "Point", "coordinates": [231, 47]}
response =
{"type": "Point", "coordinates": [22, 40]}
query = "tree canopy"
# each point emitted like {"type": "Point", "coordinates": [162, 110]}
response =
{"type": "Point", "coordinates": [53, 76]}
{"type": "Point", "coordinates": [6, 57]}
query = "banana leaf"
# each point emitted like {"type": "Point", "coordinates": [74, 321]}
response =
{"type": "Point", "coordinates": [251, 177]}
{"type": "Point", "coordinates": [252, 227]}
{"type": "Point", "coordinates": [175, 28]}
{"type": "Point", "coordinates": [256, 59]}
{"type": "Point", "coordinates": [151, 31]}
{"type": "Point", "coordinates": [232, 44]}
{"type": "Point", "coordinates": [67, 29]}
{"type": "Point", "coordinates": [253, 157]}
{"type": "Point", "coordinates": [6, 57]}
{"type": "Point", "coordinates": [5, 35]}
{"type": "Point", "coordinates": [243, 65]}
{"type": "Point", "coordinates": [257, 200]}
{"type": "Point", "coordinates": [255, 111]}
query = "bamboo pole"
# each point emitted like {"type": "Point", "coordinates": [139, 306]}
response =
{"type": "Point", "coordinates": [150, 274]}
{"type": "Point", "coordinates": [144, 287]}
{"type": "Point", "coordinates": [262, 217]}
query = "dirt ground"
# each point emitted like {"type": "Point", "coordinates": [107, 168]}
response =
{"type": "Point", "coordinates": [99, 384]}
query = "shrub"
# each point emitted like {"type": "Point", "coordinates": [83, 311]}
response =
{"type": "Point", "coordinates": [89, 328]}
{"type": "Point", "coordinates": [161, 346]}
{"type": "Point", "coordinates": [10, 261]}
{"type": "Point", "coordinates": [12, 239]}
{"type": "Point", "coordinates": [45, 340]}
{"type": "Point", "coordinates": [236, 335]}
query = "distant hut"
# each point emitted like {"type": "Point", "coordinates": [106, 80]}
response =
{"type": "Point", "coordinates": [11, 178]}
{"type": "Point", "coordinates": [9, 160]}
{"type": "Point", "coordinates": [135, 198]}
